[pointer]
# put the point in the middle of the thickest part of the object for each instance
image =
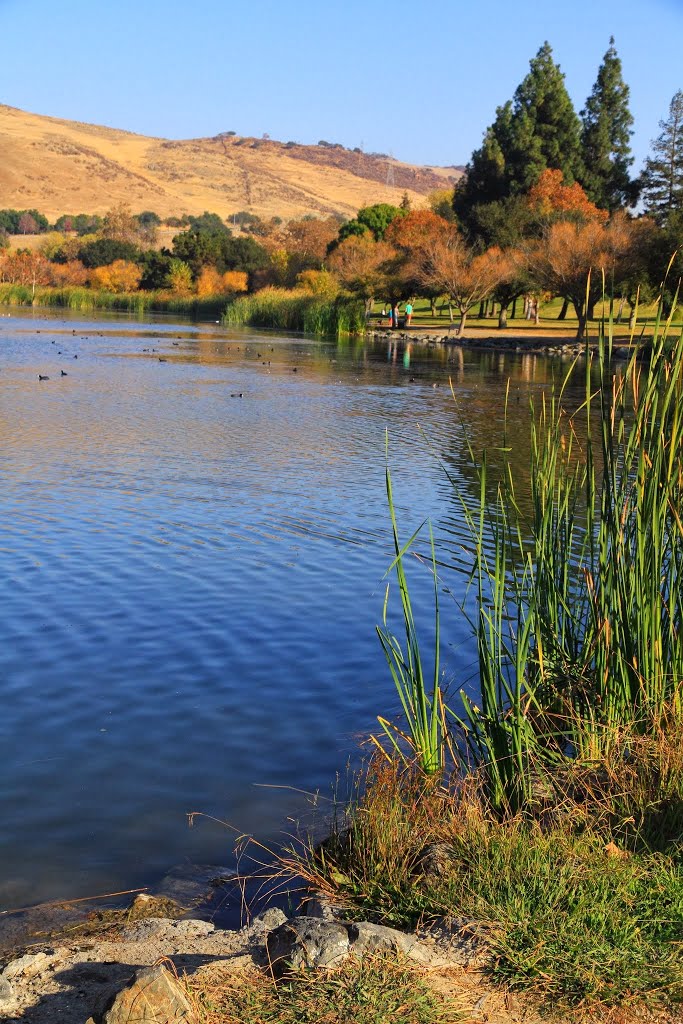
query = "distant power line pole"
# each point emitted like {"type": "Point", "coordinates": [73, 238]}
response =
{"type": "Point", "coordinates": [391, 181]}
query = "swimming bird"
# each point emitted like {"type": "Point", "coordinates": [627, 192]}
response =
{"type": "Point", "coordinates": [238, 394]}
{"type": "Point", "coordinates": [41, 377]}
{"type": "Point", "coordinates": [161, 360]}
{"type": "Point", "coordinates": [63, 373]}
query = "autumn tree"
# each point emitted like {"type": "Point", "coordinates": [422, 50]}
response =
{"type": "Point", "coordinates": [72, 274]}
{"type": "Point", "coordinates": [235, 281]}
{"type": "Point", "coordinates": [663, 176]}
{"type": "Point", "coordinates": [606, 137]}
{"type": "Point", "coordinates": [180, 277]}
{"type": "Point", "coordinates": [22, 266]}
{"type": "Point", "coordinates": [449, 263]}
{"type": "Point", "coordinates": [209, 282]}
{"type": "Point", "coordinates": [360, 265]}
{"type": "Point", "coordinates": [410, 235]}
{"type": "Point", "coordinates": [552, 199]}
{"type": "Point", "coordinates": [120, 225]}
{"type": "Point", "coordinates": [119, 276]}
{"type": "Point", "coordinates": [562, 260]}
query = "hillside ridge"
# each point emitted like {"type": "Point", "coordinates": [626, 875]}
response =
{"type": "Point", "coordinates": [59, 166]}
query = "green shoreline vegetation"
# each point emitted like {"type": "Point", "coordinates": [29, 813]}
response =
{"type": "Point", "coordinates": [550, 809]}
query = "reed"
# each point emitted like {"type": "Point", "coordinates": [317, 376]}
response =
{"type": "Point", "coordinates": [580, 605]}
{"type": "Point", "coordinates": [86, 299]}
{"type": "Point", "coordinates": [284, 310]}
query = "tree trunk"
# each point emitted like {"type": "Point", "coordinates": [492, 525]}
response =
{"type": "Point", "coordinates": [369, 303]}
{"type": "Point", "coordinates": [482, 310]}
{"type": "Point", "coordinates": [461, 328]}
{"type": "Point", "coordinates": [581, 317]}
{"type": "Point", "coordinates": [562, 315]}
{"type": "Point", "coordinates": [620, 311]}
{"type": "Point", "coordinates": [432, 303]}
{"type": "Point", "coordinates": [590, 310]}
{"type": "Point", "coordinates": [503, 316]}
{"type": "Point", "coordinates": [632, 319]}
{"type": "Point", "coordinates": [513, 314]}
{"type": "Point", "coordinates": [450, 310]}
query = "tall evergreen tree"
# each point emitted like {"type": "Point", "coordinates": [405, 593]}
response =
{"type": "Point", "coordinates": [606, 137]}
{"type": "Point", "coordinates": [663, 176]}
{"type": "Point", "coordinates": [538, 129]}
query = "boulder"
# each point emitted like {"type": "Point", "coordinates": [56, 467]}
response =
{"type": "Point", "coordinates": [307, 942]}
{"type": "Point", "coordinates": [153, 996]}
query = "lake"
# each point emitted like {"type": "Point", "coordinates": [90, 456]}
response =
{"type": "Point", "coordinates": [193, 544]}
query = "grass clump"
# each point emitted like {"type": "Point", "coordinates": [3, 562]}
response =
{"type": "Point", "coordinates": [374, 990]}
{"type": "Point", "coordinates": [285, 310]}
{"type": "Point", "coordinates": [571, 902]}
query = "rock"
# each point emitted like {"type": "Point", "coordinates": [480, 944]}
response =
{"type": "Point", "coordinates": [435, 859]}
{"type": "Point", "coordinates": [154, 996]}
{"type": "Point", "coordinates": [268, 921]}
{"type": "Point", "coordinates": [162, 928]}
{"type": "Point", "coordinates": [28, 966]}
{"type": "Point", "coordinates": [6, 990]}
{"type": "Point", "coordinates": [307, 942]}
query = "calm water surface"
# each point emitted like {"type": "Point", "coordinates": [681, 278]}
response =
{"type": "Point", "coordinates": [190, 581]}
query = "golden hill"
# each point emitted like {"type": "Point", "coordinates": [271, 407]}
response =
{"type": "Point", "coordinates": [58, 166]}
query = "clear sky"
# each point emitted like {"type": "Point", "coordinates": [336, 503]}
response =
{"type": "Point", "coordinates": [419, 81]}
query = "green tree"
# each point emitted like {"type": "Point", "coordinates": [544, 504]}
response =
{"type": "Point", "coordinates": [105, 251]}
{"type": "Point", "coordinates": [606, 137]}
{"type": "Point", "coordinates": [538, 129]}
{"type": "Point", "coordinates": [663, 176]}
{"type": "Point", "coordinates": [374, 219]}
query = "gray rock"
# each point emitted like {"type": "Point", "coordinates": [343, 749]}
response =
{"type": "Point", "coordinates": [307, 942]}
{"type": "Point", "coordinates": [153, 996]}
{"type": "Point", "coordinates": [28, 966]}
{"type": "Point", "coordinates": [268, 921]}
{"type": "Point", "coordinates": [435, 859]}
{"type": "Point", "coordinates": [6, 990]}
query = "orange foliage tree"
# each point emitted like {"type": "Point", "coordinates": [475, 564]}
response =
{"type": "Point", "coordinates": [235, 281]}
{"type": "Point", "coordinates": [70, 273]}
{"type": "Point", "coordinates": [362, 266]}
{"type": "Point", "coordinates": [568, 252]}
{"type": "Point", "coordinates": [449, 264]}
{"type": "Point", "coordinates": [119, 276]}
{"type": "Point", "coordinates": [209, 282]}
{"type": "Point", "coordinates": [551, 198]}
{"type": "Point", "coordinates": [24, 267]}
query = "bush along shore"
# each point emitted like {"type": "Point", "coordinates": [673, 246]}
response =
{"type": "Point", "coordinates": [280, 309]}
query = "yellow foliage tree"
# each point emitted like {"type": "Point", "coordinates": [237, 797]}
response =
{"type": "Point", "coordinates": [209, 282]}
{"type": "Point", "coordinates": [318, 282]}
{"type": "Point", "coordinates": [235, 281]}
{"type": "Point", "coordinates": [119, 276]}
{"type": "Point", "coordinates": [180, 278]}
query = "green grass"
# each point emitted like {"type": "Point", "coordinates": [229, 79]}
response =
{"type": "Point", "coordinates": [573, 905]}
{"type": "Point", "coordinates": [374, 990]}
{"type": "Point", "coordinates": [280, 309]}
{"type": "Point", "coordinates": [549, 325]}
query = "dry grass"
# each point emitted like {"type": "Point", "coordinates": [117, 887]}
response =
{"type": "Point", "coordinates": [59, 166]}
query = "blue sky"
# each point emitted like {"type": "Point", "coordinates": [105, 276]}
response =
{"type": "Point", "coordinates": [418, 81]}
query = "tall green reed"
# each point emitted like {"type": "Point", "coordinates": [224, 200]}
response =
{"type": "Point", "coordinates": [286, 310]}
{"type": "Point", "coordinates": [578, 582]}
{"type": "Point", "coordinates": [580, 604]}
{"type": "Point", "coordinates": [422, 703]}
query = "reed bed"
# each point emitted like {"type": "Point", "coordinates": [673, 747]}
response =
{"type": "Point", "coordinates": [86, 299]}
{"type": "Point", "coordinates": [284, 310]}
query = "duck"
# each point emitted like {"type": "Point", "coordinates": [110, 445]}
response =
{"type": "Point", "coordinates": [42, 377]}
{"type": "Point", "coordinates": [63, 373]}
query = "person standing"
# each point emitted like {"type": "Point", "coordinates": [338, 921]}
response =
{"type": "Point", "coordinates": [409, 313]}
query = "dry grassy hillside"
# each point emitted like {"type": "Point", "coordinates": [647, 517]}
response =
{"type": "Point", "coordinates": [59, 166]}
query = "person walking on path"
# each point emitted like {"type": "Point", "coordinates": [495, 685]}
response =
{"type": "Point", "coordinates": [409, 313]}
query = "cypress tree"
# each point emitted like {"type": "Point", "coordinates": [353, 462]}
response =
{"type": "Point", "coordinates": [663, 176]}
{"type": "Point", "coordinates": [538, 129]}
{"type": "Point", "coordinates": [606, 137]}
